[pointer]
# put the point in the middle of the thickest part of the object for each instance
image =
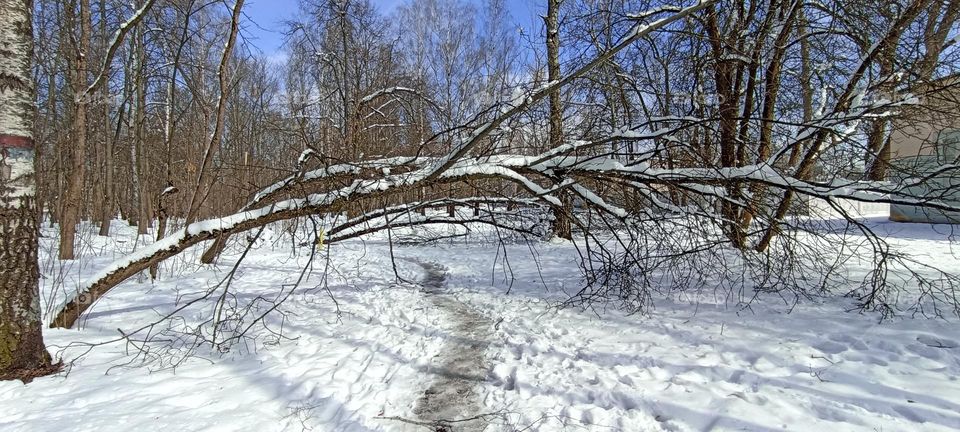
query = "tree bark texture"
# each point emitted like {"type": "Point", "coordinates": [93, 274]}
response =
{"type": "Point", "coordinates": [22, 351]}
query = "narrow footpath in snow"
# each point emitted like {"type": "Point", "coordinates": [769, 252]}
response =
{"type": "Point", "coordinates": [452, 401]}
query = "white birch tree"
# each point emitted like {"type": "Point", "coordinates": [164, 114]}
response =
{"type": "Point", "coordinates": [23, 354]}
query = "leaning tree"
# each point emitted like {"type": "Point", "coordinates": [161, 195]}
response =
{"type": "Point", "coordinates": [692, 136]}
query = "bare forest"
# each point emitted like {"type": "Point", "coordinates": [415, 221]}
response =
{"type": "Point", "coordinates": [669, 149]}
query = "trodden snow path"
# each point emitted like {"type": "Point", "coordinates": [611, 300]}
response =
{"type": "Point", "coordinates": [452, 401]}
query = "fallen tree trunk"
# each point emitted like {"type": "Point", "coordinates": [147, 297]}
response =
{"type": "Point", "coordinates": [197, 232]}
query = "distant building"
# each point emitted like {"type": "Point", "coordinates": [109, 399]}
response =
{"type": "Point", "coordinates": [925, 152]}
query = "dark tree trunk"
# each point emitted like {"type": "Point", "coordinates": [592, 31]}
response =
{"type": "Point", "coordinates": [562, 213]}
{"type": "Point", "coordinates": [78, 154]}
{"type": "Point", "coordinates": [107, 211]}
{"type": "Point", "coordinates": [725, 73]}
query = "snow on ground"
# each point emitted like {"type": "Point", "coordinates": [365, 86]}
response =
{"type": "Point", "coordinates": [684, 367]}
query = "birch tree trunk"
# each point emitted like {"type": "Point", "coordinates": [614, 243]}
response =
{"type": "Point", "coordinates": [22, 351]}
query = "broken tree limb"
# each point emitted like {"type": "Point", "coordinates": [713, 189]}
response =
{"type": "Point", "coordinates": [197, 232]}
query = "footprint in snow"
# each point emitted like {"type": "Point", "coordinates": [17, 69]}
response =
{"type": "Point", "coordinates": [830, 347]}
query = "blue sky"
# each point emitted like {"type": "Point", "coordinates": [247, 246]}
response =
{"type": "Point", "coordinates": [268, 15]}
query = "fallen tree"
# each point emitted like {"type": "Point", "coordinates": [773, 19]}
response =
{"type": "Point", "coordinates": [638, 176]}
{"type": "Point", "coordinates": [645, 216]}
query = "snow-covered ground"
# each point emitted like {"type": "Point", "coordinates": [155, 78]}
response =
{"type": "Point", "coordinates": [367, 360]}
